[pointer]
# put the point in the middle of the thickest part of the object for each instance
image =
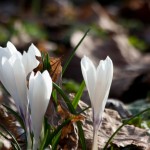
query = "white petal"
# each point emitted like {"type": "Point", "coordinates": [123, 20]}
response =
{"type": "Point", "coordinates": [48, 82]}
{"type": "Point", "coordinates": [14, 80]}
{"type": "Point", "coordinates": [29, 61]}
{"type": "Point", "coordinates": [9, 80]}
{"type": "Point", "coordinates": [12, 49]}
{"type": "Point", "coordinates": [4, 52]}
{"type": "Point", "coordinates": [2, 79]}
{"type": "Point", "coordinates": [102, 87]}
{"type": "Point", "coordinates": [34, 51]}
{"type": "Point", "coordinates": [9, 51]}
{"type": "Point", "coordinates": [20, 83]}
{"type": "Point", "coordinates": [31, 84]}
{"type": "Point", "coordinates": [89, 74]}
{"type": "Point", "coordinates": [40, 88]}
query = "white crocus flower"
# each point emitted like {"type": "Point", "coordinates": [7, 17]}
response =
{"type": "Point", "coordinates": [40, 88]}
{"type": "Point", "coordinates": [14, 68]}
{"type": "Point", "coordinates": [98, 81]}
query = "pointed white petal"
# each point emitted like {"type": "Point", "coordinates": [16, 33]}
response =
{"type": "Point", "coordinates": [29, 61]}
{"type": "Point", "coordinates": [9, 51]}
{"type": "Point", "coordinates": [14, 80]}
{"type": "Point", "coordinates": [89, 74]}
{"type": "Point", "coordinates": [12, 49]}
{"type": "Point", "coordinates": [102, 87]}
{"type": "Point", "coordinates": [9, 80]}
{"type": "Point", "coordinates": [34, 51]}
{"type": "Point", "coordinates": [39, 97]}
{"type": "Point", "coordinates": [4, 52]}
{"type": "Point", "coordinates": [48, 83]}
{"type": "Point", "coordinates": [20, 84]}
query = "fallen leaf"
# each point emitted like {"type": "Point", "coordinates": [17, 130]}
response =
{"type": "Point", "coordinates": [128, 136]}
{"type": "Point", "coordinates": [65, 114]}
{"type": "Point", "coordinates": [56, 68]}
{"type": "Point", "coordinates": [69, 137]}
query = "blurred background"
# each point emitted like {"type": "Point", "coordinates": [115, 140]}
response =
{"type": "Point", "coordinates": [119, 29]}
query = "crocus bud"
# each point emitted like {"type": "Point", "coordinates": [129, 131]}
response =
{"type": "Point", "coordinates": [98, 81]}
{"type": "Point", "coordinates": [40, 89]}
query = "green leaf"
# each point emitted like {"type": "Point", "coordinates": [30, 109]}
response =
{"type": "Point", "coordinates": [78, 95]}
{"type": "Point", "coordinates": [137, 121]}
{"type": "Point", "coordinates": [65, 97]}
{"type": "Point", "coordinates": [73, 111]}
{"type": "Point", "coordinates": [70, 86]}
{"type": "Point", "coordinates": [46, 62]}
{"type": "Point", "coordinates": [73, 52]}
{"type": "Point", "coordinates": [54, 95]}
{"type": "Point", "coordinates": [43, 145]}
{"type": "Point", "coordinates": [81, 135]}
{"type": "Point", "coordinates": [84, 110]}
{"type": "Point", "coordinates": [55, 140]}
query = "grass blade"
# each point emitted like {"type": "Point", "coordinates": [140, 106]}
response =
{"type": "Point", "coordinates": [65, 97]}
{"type": "Point", "coordinates": [73, 52]}
{"type": "Point", "coordinates": [73, 111]}
{"type": "Point", "coordinates": [44, 140]}
{"type": "Point", "coordinates": [56, 141]}
{"type": "Point", "coordinates": [78, 95]}
{"type": "Point", "coordinates": [81, 136]}
{"type": "Point", "coordinates": [84, 109]}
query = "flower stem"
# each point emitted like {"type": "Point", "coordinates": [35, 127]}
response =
{"type": "Point", "coordinates": [95, 141]}
{"type": "Point", "coordinates": [35, 144]}
{"type": "Point", "coordinates": [96, 125]}
{"type": "Point", "coordinates": [29, 142]}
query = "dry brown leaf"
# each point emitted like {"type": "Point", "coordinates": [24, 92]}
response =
{"type": "Point", "coordinates": [62, 112]}
{"type": "Point", "coordinates": [56, 68]}
{"type": "Point", "coordinates": [65, 114]}
{"type": "Point", "coordinates": [75, 118]}
{"type": "Point", "coordinates": [129, 135]}
{"type": "Point", "coordinates": [69, 137]}
{"type": "Point", "coordinates": [66, 130]}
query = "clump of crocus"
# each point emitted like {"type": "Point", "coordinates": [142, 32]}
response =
{"type": "Point", "coordinates": [14, 69]}
{"type": "Point", "coordinates": [98, 81]}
